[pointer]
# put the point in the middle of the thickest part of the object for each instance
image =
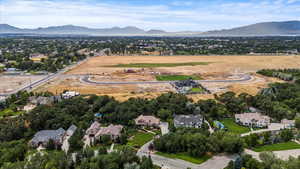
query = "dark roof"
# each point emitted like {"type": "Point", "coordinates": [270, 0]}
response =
{"type": "Point", "coordinates": [71, 130]}
{"type": "Point", "coordinates": [187, 119]}
{"type": "Point", "coordinates": [45, 135]}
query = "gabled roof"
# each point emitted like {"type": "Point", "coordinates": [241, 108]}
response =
{"type": "Point", "coordinates": [46, 135]}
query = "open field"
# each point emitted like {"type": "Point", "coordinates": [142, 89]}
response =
{"type": "Point", "coordinates": [185, 157]}
{"type": "Point", "coordinates": [10, 83]}
{"type": "Point", "coordinates": [278, 147]}
{"type": "Point", "coordinates": [153, 65]}
{"type": "Point", "coordinates": [220, 67]}
{"type": "Point", "coordinates": [233, 127]}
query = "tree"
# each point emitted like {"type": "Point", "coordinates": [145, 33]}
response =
{"type": "Point", "coordinates": [75, 141]}
{"type": "Point", "coordinates": [164, 114]}
{"type": "Point", "coordinates": [297, 122]}
{"type": "Point", "coordinates": [286, 135]}
{"type": "Point", "coordinates": [147, 163]}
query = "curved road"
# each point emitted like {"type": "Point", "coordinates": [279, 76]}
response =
{"type": "Point", "coordinates": [87, 79]}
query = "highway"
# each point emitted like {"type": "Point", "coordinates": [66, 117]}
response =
{"type": "Point", "coordinates": [87, 79]}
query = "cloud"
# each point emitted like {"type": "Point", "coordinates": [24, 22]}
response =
{"type": "Point", "coordinates": [190, 15]}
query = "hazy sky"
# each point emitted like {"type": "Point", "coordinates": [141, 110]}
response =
{"type": "Point", "coordinates": [170, 15]}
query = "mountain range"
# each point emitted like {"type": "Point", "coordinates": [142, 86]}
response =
{"type": "Point", "coordinates": [259, 29]}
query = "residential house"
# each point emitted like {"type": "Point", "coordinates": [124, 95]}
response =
{"type": "Point", "coordinates": [93, 129]}
{"type": "Point", "coordinates": [69, 94]}
{"type": "Point", "coordinates": [68, 134]}
{"type": "Point", "coordinates": [42, 138]}
{"type": "Point", "coordinates": [190, 121]}
{"type": "Point", "coordinates": [29, 107]}
{"type": "Point", "coordinates": [288, 123]}
{"type": "Point", "coordinates": [252, 120]}
{"type": "Point", "coordinates": [114, 131]}
{"type": "Point", "coordinates": [147, 121]}
{"type": "Point", "coordinates": [40, 100]}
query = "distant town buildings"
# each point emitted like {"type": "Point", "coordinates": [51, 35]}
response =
{"type": "Point", "coordinates": [189, 121]}
{"type": "Point", "coordinates": [147, 121]}
{"type": "Point", "coordinates": [252, 120]}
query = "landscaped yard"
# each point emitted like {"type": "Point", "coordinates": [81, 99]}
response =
{"type": "Point", "coordinates": [139, 139]}
{"type": "Point", "coordinates": [278, 147]}
{"type": "Point", "coordinates": [233, 127]}
{"type": "Point", "coordinates": [196, 90]}
{"type": "Point", "coordinates": [185, 157]}
{"type": "Point", "coordinates": [176, 77]}
{"type": "Point", "coordinates": [152, 65]}
{"type": "Point", "coordinates": [9, 112]}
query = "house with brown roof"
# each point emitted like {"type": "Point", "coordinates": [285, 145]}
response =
{"type": "Point", "coordinates": [147, 121]}
{"type": "Point", "coordinates": [114, 131]}
{"type": "Point", "coordinates": [252, 120]}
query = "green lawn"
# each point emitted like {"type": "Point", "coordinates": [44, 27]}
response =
{"type": "Point", "coordinates": [278, 147]}
{"type": "Point", "coordinates": [9, 112]}
{"type": "Point", "coordinates": [196, 90]}
{"type": "Point", "coordinates": [185, 157]}
{"type": "Point", "coordinates": [233, 127]}
{"type": "Point", "coordinates": [153, 65]}
{"type": "Point", "coordinates": [176, 77]}
{"type": "Point", "coordinates": [139, 139]}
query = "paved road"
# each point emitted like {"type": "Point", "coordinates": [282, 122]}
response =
{"type": "Point", "coordinates": [87, 79]}
{"type": "Point", "coordinates": [217, 162]}
{"type": "Point", "coordinates": [37, 83]}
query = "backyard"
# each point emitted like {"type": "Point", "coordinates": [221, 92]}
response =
{"type": "Point", "coordinates": [9, 112]}
{"type": "Point", "coordinates": [139, 138]}
{"type": "Point", "coordinates": [233, 127]}
{"type": "Point", "coordinates": [185, 157]}
{"type": "Point", "coordinates": [278, 147]}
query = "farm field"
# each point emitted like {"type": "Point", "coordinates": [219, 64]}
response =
{"type": "Point", "coordinates": [278, 147]}
{"type": "Point", "coordinates": [219, 67]}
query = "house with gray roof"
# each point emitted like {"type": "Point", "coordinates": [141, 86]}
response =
{"type": "Point", "coordinates": [42, 138]}
{"type": "Point", "coordinates": [189, 121]}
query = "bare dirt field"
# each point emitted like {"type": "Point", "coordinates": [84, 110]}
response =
{"type": "Point", "coordinates": [220, 67]}
{"type": "Point", "coordinates": [10, 83]}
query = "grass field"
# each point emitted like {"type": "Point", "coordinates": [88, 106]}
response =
{"type": "Point", "coordinates": [176, 77]}
{"type": "Point", "coordinates": [139, 139]}
{"type": "Point", "coordinates": [153, 65]}
{"type": "Point", "coordinates": [196, 90]}
{"type": "Point", "coordinates": [278, 147]}
{"type": "Point", "coordinates": [185, 157]}
{"type": "Point", "coordinates": [9, 112]}
{"type": "Point", "coordinates": [233, 127]}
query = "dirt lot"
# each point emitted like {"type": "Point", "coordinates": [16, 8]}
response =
{"type": "Point", "coordinates": [221, 67]}
{"type": "Point", "coordinates": [12, 82]}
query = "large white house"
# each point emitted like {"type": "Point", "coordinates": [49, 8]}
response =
{"type": "Point", "coordinates": [252, 120]}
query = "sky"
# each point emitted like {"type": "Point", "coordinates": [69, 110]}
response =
{"type": "Point", "coordinates": [169, 15]}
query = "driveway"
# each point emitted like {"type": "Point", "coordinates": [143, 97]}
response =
{"type": "Point", "coordinates": [164, 127]}
{"type": "Point", "coordinates": [271, 127]}
{"type": "Point", "coordinates": [217, 162]}
{"type": "Point", "coordinates": [284, 155]}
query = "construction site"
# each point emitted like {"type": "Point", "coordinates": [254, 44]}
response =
{"type": "Point", "coordinates": [124, 76]}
